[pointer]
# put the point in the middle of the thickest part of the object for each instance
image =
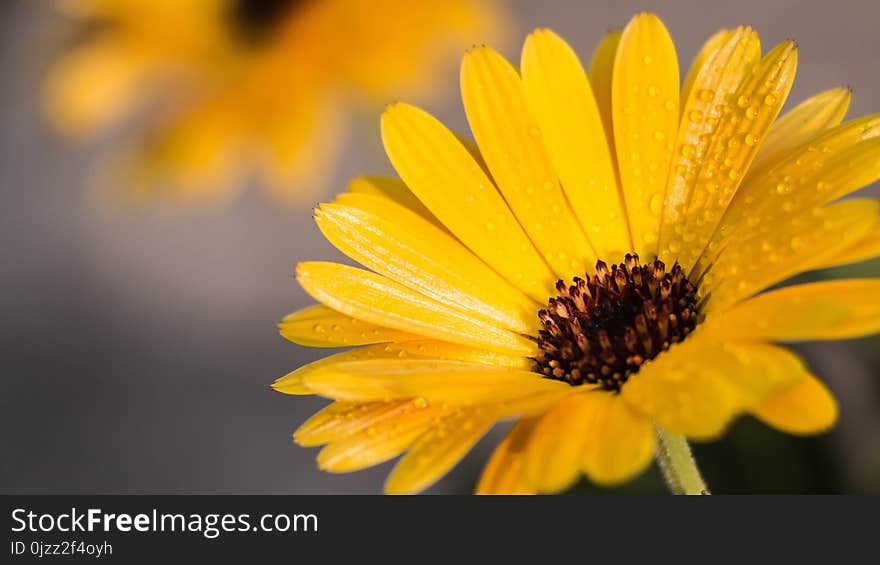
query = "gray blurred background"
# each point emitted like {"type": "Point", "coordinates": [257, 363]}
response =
{"type": "Point", "coordinates": [137, 348]}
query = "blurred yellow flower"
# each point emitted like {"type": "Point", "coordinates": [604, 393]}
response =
{"type": "Point", "coordinates": [233, 87]}
{"type": "Point", "coordinates": [698, 193]}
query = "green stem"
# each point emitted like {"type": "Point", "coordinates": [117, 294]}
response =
{"type": "Point", "coordinates": [678, 465]}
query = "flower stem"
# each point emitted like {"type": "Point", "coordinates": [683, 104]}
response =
{"type": "Point", "coordinates": [678, 465]}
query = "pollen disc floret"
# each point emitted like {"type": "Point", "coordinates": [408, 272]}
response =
{"type": "Point", "coordinates": [600, 330]}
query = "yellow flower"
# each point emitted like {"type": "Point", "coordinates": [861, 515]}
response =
{"type": "Point", "coordinates": [697, 193]}
{"type": "Point", "coordinates": [231, 87]}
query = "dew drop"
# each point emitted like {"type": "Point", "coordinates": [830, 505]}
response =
{"type": "Point", "coordinates": [420, 402]}
{"type": "Point", "coordinates": [656, 204]}
{"type": "Point", "coordinates": [750, 140]}
{"type": "Point", "coordinates": [652, 91]}
{"type": "Point", "coordinates": [696, 116]}
{"type": "Point", "coordinates": [659, 135]}
{"type": "Point", "coordinates": [770, 100]}
{"type": "Point", "coordinates": [752, 112]}
{"type": "Point", "coordinates": [742, 101]}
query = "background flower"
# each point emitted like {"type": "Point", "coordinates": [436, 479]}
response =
{"type": "Point", "coordinates": [230, 87]}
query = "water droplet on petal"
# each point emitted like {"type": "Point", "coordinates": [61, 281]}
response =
{"type": "Point", "coordinates": [656, 204]}
{"type": "Point", "coordinates": [420, 402]}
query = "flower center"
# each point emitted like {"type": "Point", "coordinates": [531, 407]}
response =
{"type": "Point", "coordinates": [254, 20]}
{"type": "Point", "coordinates": [600, 330]}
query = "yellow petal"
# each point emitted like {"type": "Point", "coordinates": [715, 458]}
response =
{"type": "Point", "coordinates": [292, 383]}
{"type": "Point", "coordinates": [806, 407]}
{"type": "Point", "coordinates": [808, 119]}
{"type": "Point", "coordinates": [340, 420]}
{"type": "Point", "coordinates": [705, 114]}
{"type": "Point", "coordinates": [733, 144]}
{"type": "Point", "coordinates": [697, 386]}
{"type": "Point", "coordinates": [601, 72]}
{"type": "Point", "coordinates": [383, 439]}
{"type": "Point", "coordinates": [402, 246]}
{"type": "Point", "coordinates": [867, 247]}
{"type": "Point", "coordinates": [96, 85]}
{"type": "Point", "coordinates": [441, 172]}
{"type": "Point", "coordinates": [438, 450]}
{"type": "Point", "coordinates": [824, 310]}
{"type": "Point", "coordinates": [825, 168]}
{"type": "Point", "coordinates": [392, 189]}
{"type": "Point", "coordinates": [510, 141]}
{"type": "Point", "coordinates": [562, 102]}
{"type": "Point", "coordinates": [619, 443]}
{"type": "Point", "coordinates": [552, 458]}
{"type": "Point", "coordinates": [196, 154]}
{"type": "Point", "coordinates": [502, 474]}
{"type": "Point", "coordinates": [320, 326]}
{"type": "Point", "coordinates": [302, 143]}
{"type": "Point", "coordinates": [379, 300]}
{"type": "Point", "coordinates": [776, 251]}
{"type": "Point", "coordinates": [455, 382]}
{"type": "Point", "coordinates": [706, 52]}
{"type": "Point", "coordinates": [645, 110]}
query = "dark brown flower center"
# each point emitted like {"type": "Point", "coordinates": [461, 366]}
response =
{"type": "Point", "coordinates": [255, 20]}
{"type": "Point", "coordinates": [602, 328]}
